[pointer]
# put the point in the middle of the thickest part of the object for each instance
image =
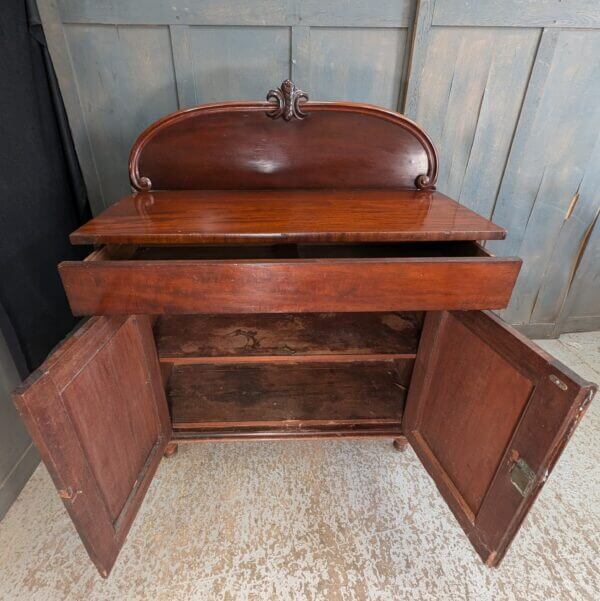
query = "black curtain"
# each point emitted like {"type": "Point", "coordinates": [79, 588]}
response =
{"type": "Point", "coordinates": [42, 195]}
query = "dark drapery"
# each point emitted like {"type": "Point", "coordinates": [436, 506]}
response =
{"type": "Point", "coordinates": [42, 195]}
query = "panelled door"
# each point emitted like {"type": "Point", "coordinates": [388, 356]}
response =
{"type": "Point", "coordinates": [488, 414]}
{"type": "Point", "coordinates": [98, 414]}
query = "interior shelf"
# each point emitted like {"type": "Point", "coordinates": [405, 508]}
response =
{"type": "Point", "coordinates": [310, 374]}
{"type": "Point", "coordinates": [286, 397]}
{"type": "Point", "coordinates": [284, 337]}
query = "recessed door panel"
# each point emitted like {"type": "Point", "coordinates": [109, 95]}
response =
{"type": "Point", "coordinates": [489, 413]}
{"type": "Point", "coordinates": [98, 414]}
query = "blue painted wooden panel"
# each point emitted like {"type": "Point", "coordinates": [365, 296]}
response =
{"type": "Point", "coordinates": [328, 13]}
{"type": "Point", "coordinates": [197, 51]}
{"type": "Point", "coordinates": [518, 13]}
{"type": "Point", "coordinates": [515, 113]}
{"type": "Point", "coordinates": [580, 311]}
{"type": "Point", "coordinates": [472, 88]}
{"type": "Point", "coordinates": [554, 162]}
{"type": "Point", "coordinates": [571, 284]}
{"type": "Point", "coordinates": [358, 64]}
{"type": "Point", "coordinates": [238, 62]}
{"type": "Point", "coordinates": [126, 81]}
{"type": "Point", "coordinates": [182, 12]}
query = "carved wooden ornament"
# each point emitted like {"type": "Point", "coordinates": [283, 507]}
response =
{"type": "Point", "coordinates": [287, 97]}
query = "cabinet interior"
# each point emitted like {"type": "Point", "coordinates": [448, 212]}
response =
{"type": "Point", "coordinates": [273, 375]}
{"type": "Point", "coordinates": [291, 251]}
{"type": "Point", "coordinates": [304, 374]}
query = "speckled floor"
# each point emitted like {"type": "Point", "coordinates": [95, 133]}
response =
{"type": "Point", "coordinates": [316, 520]}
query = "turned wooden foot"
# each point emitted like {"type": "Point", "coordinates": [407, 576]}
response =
{"type": "Point", "coordinates": [171, 449]}
{"type": "Point", "coordinates": [400, 444]}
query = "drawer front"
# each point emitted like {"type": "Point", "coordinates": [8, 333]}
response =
{"type": "Point", "coordinates": [306, 285]}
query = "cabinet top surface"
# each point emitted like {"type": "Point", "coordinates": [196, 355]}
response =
{"type": "Point", "coordinates": [285, 216]}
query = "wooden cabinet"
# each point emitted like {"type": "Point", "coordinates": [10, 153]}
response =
{"type": "Point", "coordinates": [286, 269]}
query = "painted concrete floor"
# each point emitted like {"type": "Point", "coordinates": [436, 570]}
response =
{"type": "Point", "coordinates": [302, 520]}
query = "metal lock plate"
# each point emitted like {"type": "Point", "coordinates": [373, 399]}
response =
{"type": "Point", "coordinates": [522, 477]}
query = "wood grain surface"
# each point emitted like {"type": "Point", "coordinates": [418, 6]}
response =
{"type": "Point", "coordinates": [272, 216]}
{"type": "Point", "coordinates": [235, 145]}
{"type": "Point", "coordinates": [288, 286]}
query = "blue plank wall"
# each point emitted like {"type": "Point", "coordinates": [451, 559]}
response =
{"type": "Point", "coordinates": [508, 89]}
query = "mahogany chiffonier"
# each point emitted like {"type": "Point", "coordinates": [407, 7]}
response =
{"type": "Point", "coordinates": [286, 269]}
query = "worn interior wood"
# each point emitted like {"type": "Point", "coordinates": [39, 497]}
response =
{"type": "Point", "coordinates": [288, 397]}
{"type": "Point", "coordinates": [291, 374]}
{"type": "Point", "coordinates": [291, 337]}
{"type": "Point", "coordinates": [272, 216]}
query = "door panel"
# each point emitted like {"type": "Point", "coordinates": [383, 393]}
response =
{"type": "Point", "coordinates": [489, 413]}
{"type": "Point", "coordinates": [98, 414]}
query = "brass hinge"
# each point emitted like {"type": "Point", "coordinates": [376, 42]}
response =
{"type": "Point", "coordinates": [558, 382]}
{"type": "Point", "coordinates": [522, 477]}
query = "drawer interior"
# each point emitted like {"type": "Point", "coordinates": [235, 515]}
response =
{"type": "Point", "coordinates": [287, 374]}
{"type": "Point", "coordinates": [292, 251]}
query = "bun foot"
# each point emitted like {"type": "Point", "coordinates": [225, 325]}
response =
{"type": "Point", "coordinates": [171, 449]}
{"type": "Point", "coordinates": [400, 444]}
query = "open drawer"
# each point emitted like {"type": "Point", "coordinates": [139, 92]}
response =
{"type": "Point", "coordinates": [288, 278]}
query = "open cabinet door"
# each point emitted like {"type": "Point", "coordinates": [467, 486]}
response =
{"type": "Point", "coordinates": [97, 412]}
{"type": "Point", "coordinates": [488, 414]}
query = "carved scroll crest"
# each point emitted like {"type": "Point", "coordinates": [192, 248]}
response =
{"type": "Point", "coordinates": [424, 182]}
{"type": "Point", "coordinates": [287, 98]}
